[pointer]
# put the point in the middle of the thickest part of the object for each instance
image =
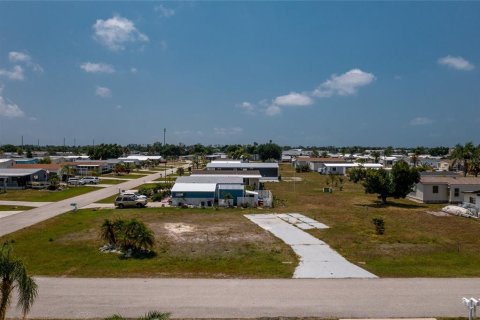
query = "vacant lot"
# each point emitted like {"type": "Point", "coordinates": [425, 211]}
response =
{"type": "Point", "coordinates": [415, 242]}
{"type": "Point", "coordinates": [189, 243]}
{"type": "Point", "coordinates": [44, 195]}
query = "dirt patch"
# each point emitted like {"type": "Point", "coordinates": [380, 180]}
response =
{"type": "Point", "coordinates": [82, 236]}
{"type": "Point", "coordinates": [438, 213]}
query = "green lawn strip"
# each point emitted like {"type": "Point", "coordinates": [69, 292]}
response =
{"type": "Point", "coordinates": [14, 208]}
{"type": "Point", "coordinates": [415, 243]}
{"type": "Point", "coordinates": [110, 199]}
{"type": "Point", "coordinates": [223, 244]}
{"type": "Point", "coordinates": [125, 176]}
{"type": "Point", "coordinates": [44, 195]}
{"type": "Point", "coordinates": [111, 181]}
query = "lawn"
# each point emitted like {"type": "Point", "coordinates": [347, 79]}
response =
{"type": "Point", "coordinates": [44, 195]}
{"type": "Point", "coordinates": [125, 176]}
{"type": "Point", "coordinates": [415, 243]}
{"type": "Point", "coordinates": [189, 243]}
{"type": "Point", "coordinates": [111, 181]}
{"type": "Point", "coordinates": [14, 208]}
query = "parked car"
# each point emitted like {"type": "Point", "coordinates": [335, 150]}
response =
{"type": "Point", "coordinates": [91, 180]}
{"type": "Point", "coordinates": [132, 193]}
{"type": "Point", "coordinates": [76, 181]}
{"type": "Point", "coordinates": [124, 201]}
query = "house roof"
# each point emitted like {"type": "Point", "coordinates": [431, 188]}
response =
{"type": "Point", "coordinates": [5, 160]}
{"type": "Point", "coordinates": [45, 166]}
{"type": "Point", "coordinates": [351, 165]}
{"type": "Point", "coordinates": [450, 180]}
{"type": "Point", "coordinates": [244, 174]}
{"type": "Point", "coordinates": [194, 187]}
{"type": "Point", "coordinates": [11, 172]}
{"type": "Point", "coordinates": [210, 179]}
{"type": "Point", "coordinates": [222, 186]}
{"type": "Point", "coordinates": [243, 165]}
{"type": "Point", "coordinates": [322, 159]}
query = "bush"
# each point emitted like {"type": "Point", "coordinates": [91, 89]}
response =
{"type": "Point", "coordinates": [379, 225]}
{"type": "Point", "coordinates": [157, 197]}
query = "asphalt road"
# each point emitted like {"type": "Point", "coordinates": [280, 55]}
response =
{"type": "Point", "coordinates": [213, 298]}
{"type": "Point", "coordinates": [27, 218]}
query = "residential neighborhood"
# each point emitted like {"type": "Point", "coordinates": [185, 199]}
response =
{"type": "Point", "coordinates": [255, 160]}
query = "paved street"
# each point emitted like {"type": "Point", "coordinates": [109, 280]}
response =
{"type": "Point", "coordinates": [25, 219]}
{"type": "Point", "coordinates": [203, 298]}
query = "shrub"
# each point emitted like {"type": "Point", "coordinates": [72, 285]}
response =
{"type": "Point", "coordinates": [379, 225]}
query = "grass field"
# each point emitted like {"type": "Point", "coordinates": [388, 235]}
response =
{"type": "Point", "coordinates": [415, 243]}
{"type": "Point", "coordinates": [111, 181]}
{"type": "Point", "coordinates": [14, 208]}
{"type": "Point", "coordinates": [44, 195]}
{"type": "Point", "coordinates": [125, 176]}
{"type": "Point", "coordinates": [189, 243]}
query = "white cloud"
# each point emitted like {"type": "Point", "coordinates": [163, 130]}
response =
{"type": "Point", "coordinates": [21, 57]}
{"type": "Point", "coordinates": [15, 74]}
{"type": "Point", "coordinates": [248, 107]}
{"type": "Point", "coordinates": [345, 84]}
{"type": "Point", "coordinates": [227, 131]}
{"type": "Point", "coordinates": [103, 92]}
{"type": "Point", "coordinates": [421, 121]}
{"type": "Point", "coordinates": [91, 67]}
{"type": "Point", "coordinates": [133, 70]}
{"type": "Point", "coordinates": [10, 110]}
{"type": "Point", "coordinates": [457, 63]}
{"type": "Point", "coordinates": [293, 99]}
{"type": "Point", "coordinates": [117, 31]}
{"type": "Point", "coordinates": [273, 110]}
{"type": "Point", "coordinates": [164, 11]}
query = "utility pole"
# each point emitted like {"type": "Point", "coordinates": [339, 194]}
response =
{"type": "Point", "coordinates": [22, 142]}
{"type": "Point", "coordinates": [165, 172]}
{"type": "Point", "coordinates": [74, 142]}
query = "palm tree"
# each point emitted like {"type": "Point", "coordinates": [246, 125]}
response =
{"type": "Point", "coordinates": [462, 155]}
{"type": "Point", "coordinates": [13, 275]}
{"type": "Point", "coordinates": [108, 232]}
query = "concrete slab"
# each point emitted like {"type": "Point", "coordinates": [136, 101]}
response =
{"type": "Point", "coordinates": [304, 226]}
{"type": "Point", "coordinates": [8, 213]}
{"type": "Point", "coordinates": [317, 259]}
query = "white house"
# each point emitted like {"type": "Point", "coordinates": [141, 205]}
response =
{"type": "Point", "coordinates": [443, 189]}
{"type": "Point", "coordinates": [342, 168]}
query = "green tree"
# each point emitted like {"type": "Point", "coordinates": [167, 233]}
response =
{"type": "Point", "coordinates": [45, 160]}
{"type": "Point", "coordinates": [357, 174]}
{"type": "Point", "coordinates": [376, 156]}
{"type": "Point", "coordinates": [29, 154]}
{"type": "Point", "coordinates": [108, 232]}
{"type": "Point", "coordinates": [404, 179]}
{"type": "Point", "coordinates": [398, 183]}
{"type": "Point", "coordinates": [378, 182]}
{"type": "Point", "coordinates": [181, 171]}
{"type": "Point", "coordinates": [54, 181]}
{"type": "Point", "coordinates": [388, 151]}
{"type": "Point", "coordinates": [462, 154]}
{"type": "Point", "coordinates": [269, 151]}
{"type": "Point", "coordinates": [13, 275]}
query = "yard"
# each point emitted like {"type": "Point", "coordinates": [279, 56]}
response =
{"type": "Point", "coordinates": [44, 195]}
{"type": "Point", "coordinates": [189, 243]}
{"type": "Point", "coordinates": [222, 243]}
{"type": "Point", "coordinates": [14, 208]}
{"type": "Point", "coordinates": [124, 176]}
{"type": "Point", "coordinates": [415, 244]}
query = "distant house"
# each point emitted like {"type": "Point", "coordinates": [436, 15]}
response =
{"type": "Point", "coordinates": [86, 168]}
{"type": "Point", "coordinates": [314, 163]}
{"type": "Point", "coordinates": [11, 178]}
{"type": "Point", "coordinates": [342, 168]}
{"type": "Point", "coordinates": [268, 171]}
{"type": "Point", "coordinates": [50, 168]}
{"type": "Point", "coordinates": [6, 163]}
{"type": "Point", "coordinates": [443, 189]}
{"type": "Point", "coordinates": [249, 177]}
{"type": "Point", "coordinates": [472, 197]}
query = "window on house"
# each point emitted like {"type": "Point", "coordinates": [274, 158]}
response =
{"type": "Point", "coordinates": [435, 189]}
{"type": "Point", "coordinates": [456, 192]}
{"type": "Point", "coordinates": [471, 200]}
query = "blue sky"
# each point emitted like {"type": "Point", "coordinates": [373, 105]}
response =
{"type": "Point", "coordinates": [298, 73]}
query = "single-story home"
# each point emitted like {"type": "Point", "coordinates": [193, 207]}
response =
{"type": "Point", "coordinates": [472, 197]}
{"type": "Point", "coordinates": [314, 163]}
{"type": "Point", "coordinates": [50, 168]}
{"type": "Point", "coordinates": [12, 178]}
{"type": "Point", "coordinates": [268, 171]}
{"type": "Point", "coordinates": [250, 177]}
{"type": "Point", "coordinates": [87, 168]}
{"type": "Point", "coordinates": [342, 168]}
{"type": "Point", "coordinates": [6, 163]}
{"type": "Point", "coordinates": [443, 189]}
